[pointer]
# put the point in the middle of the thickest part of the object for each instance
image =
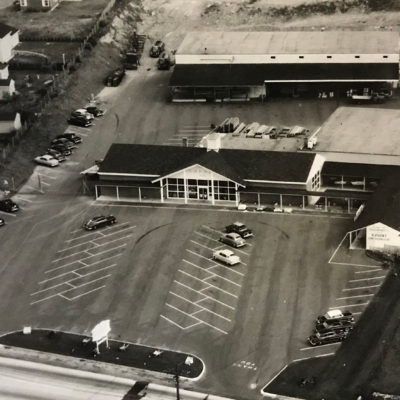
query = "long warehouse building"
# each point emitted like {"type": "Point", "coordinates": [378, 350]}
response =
{"type": "Point", "coordinates": [254, 65]}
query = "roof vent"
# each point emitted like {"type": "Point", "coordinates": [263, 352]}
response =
{"type": "Point", "coordinates": [213, 141]}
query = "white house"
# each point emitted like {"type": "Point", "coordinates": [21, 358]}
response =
{"type": "Point", "coordinates": [9, 38]}
{"type": "Point", "coordinates": [10, 122]}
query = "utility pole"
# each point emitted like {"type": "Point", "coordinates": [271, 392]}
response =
{"type": "Point", "coordinates": [176, 379]}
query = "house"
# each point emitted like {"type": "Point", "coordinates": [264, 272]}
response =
{"type": "Point", "coordinates": [250, 65]}
{"type": "Point", "coordinates": [9, 38]}
{"type": "Point", "coordinates": [10, 123]}
{"type": "Point", "coordinates": [39, 5]}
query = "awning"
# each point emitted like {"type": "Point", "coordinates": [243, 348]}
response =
{"type": "Point", "coordinates": [236, 75]}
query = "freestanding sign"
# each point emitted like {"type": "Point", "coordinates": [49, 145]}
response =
{"type": "Point", "coordinates": [100, 333]}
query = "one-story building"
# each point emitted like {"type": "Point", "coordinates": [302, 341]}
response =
{"type": "Point", "coordinates": [205, 175]}
{"type": "Point", "coordinates": [247, 65]}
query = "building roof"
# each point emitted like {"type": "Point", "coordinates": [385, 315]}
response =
{"type": "Point", "coordinates": [383, 206]}
{"type": "Point", "coordinates": [237, 165]}
{"type": "Point", "coordinates": [5, 29]}
{"type": "Point", "coordinates": [256, 74]}
{"type": "Point", "coordinates": [358, 170]}
{"type": "Point", "coordinates": [290, 42]}
{"type": "Point", "coordinates": [5, 82]}
{"type": "Point", "coordinates": [361, 130]}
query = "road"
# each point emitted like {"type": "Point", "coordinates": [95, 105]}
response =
{"type": "Point", "coordinates": [26, 380]}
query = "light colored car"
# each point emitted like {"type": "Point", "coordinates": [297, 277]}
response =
{"type": "Point", "coordinates": [47, 160]}
{"type": "Point", "coordinates": [226, 256]}
{"type": "Point", "coordinates": [233, 239]}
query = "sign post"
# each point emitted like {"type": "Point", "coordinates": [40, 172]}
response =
{"type": "Point", "coordinates": [100, 334]}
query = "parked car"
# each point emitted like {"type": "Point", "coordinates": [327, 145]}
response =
{"type": "Point", "coordinates": [47, 160]}
{"type": "Point", "coordinates": [64, 150]}
{"type": "Point", "coordinates": [80, 121]}
{"type": "Point", "coordinates": [97, 112]}
{"type": "Point", "coordinates": [164, 62]}
{"type": "Point", "coordinates": [8, 205]}
{"type": "Point", "coordinates": [131, 60]}
{"type": "Point", "coordinates": [67, 143]}
{"type": "Point", "coordinates": [157, 48]}
{"type": "Point", "coordinates": [2, 222]}
{"type": "Point", "coordinates": [226, 256]}
{"type": "Point", "coordinates": [335, 315]}
{"type": "Point", "coordinates": [82, 112]}
{"type": "Point", "coordinates": [239, 228]}
{"type": "Point", "coordinates": [114, 78]}
{"type": "Point", "coordinates": [334, 326]}
{"type": "Point", "coordinates": [56, 154]}
{"type": "Point", "coordinates": [233, 239]}
{"type": "Point", "coordinates": [325, 338]}
{"type": "Point", "coordinates": [71, 137]}
{"type": "Point", "coordinates": [99, 222]}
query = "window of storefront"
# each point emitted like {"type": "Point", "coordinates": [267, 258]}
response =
{"type": "Point", "coordinates": [316, 181]}
{"type": "Point", "coordinates": [224, 190]}
{"type": "Point", "coordinates": [175, 188]}
{"type": "Point", "coordinates": [201, 189]}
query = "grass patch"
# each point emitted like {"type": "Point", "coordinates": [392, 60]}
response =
{"type": "Point", "coordinates": [69, 21]}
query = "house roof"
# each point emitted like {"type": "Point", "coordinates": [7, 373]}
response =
{"type": "Point", "coordinates": [237, 165]}
{"type": "Point", "coordinates": [7, 116]}
{"type": "Point", "coordinates": [290, 42]}
{"type": "Point", "coordinates": [5, 82]}
{"type": "Point", "coordinates": [383, 206]}
{"type": "Point", "coordinates": [257, 74]}
{"type": "Point", "coordinates": [5, 29]}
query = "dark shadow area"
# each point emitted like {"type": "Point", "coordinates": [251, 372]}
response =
{"type": "Point", "coordinates": [367, 361]}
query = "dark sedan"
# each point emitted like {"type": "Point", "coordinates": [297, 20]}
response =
{"type": "Point", "coordinates": [71, 137]}
{"type": "Point", "coordinates": [8, 205]}
{"type": "Point", "coordinates": [64, 141]}
{"type": "Point", "coordinates": [64, 150]}
{"type": "Point", "coordinates": [99, 222]}
{"type": "Point", "coordinates": [97, 112]}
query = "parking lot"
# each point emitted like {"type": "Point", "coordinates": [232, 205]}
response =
{"type": "Point", "coordinates": [153, 276]}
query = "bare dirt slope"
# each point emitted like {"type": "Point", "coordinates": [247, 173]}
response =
{"type": "Point", "coordinates": [171, 19]}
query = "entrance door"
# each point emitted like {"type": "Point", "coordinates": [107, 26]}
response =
{"type": "Point", "coordinates": [203, 192]}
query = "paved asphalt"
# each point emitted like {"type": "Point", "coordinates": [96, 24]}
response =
{"type": "Point", "coordinates": [151, 273]}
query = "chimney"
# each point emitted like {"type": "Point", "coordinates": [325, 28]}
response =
{"type": "Point", "coordinates": [213, 141]}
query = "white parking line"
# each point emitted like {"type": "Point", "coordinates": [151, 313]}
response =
{"type": "Point", "coordinates": [207, 237]}
{"type": "Point", "coordinates": [202, 307]}
{"type": "Point", "coordinates": [84, 294]}
{"type": "Point", "coordinates": [75, 231]}
{"type": "Point", "coordinates": [45, 183]}
{"type": "Point", "coordinates": [198, 319]}
{"type": "Point", "coordinates": [82, 236]}
{"type": "Point", "coordinates": [200, 255]}
{"type": "Point", "coordinates": [202, 245]}
{"type": "Point", "coordinates": [221, 266]}
{"type": "Point", "coordinates": [368, 279]}
{"type": "Point", "coordinates": [355, 297]}
{"type": "Point", "coordinates": [360, 288]}
{"type": "Point", "coordinates": [51, 287]}
{"type": "Point", "coordinates": [320, 347]}
{"type": "Point", "coordinates": [349, 305]}
{"type": "Point", "coordinates": [370, 271]}
{"type": "Point", "coordinates": [212, 229]}
{"type": "Point", "coordinates": [71, 255]}
{"type": "Point", "coordinates": [210, 284]}
{"type": "Point", "coordinates": [353, 265]}
{"type": "Point", "coordinates": [79, 244]}
{"type": "Point", "coordinates": [98, 262]}
{"type": "Point", "coordinates": [110, 241]}
{"type": "Point", "coordinates": [104, 251]}
{"type": "Point", "coordinates": [20, 198]}
{"type": "Point", "coordinates": [172, 322]}
{"type": "Point", "coordinates": [212, 273]}
{"type": "Point", "coordinates": [47, 176]}
{"type": "Point", "coordinates": [337, 248]}
{"type": "Point", "coordinates": [205, 296]}
{"type": "Point", "coordinates": [313, 356]}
